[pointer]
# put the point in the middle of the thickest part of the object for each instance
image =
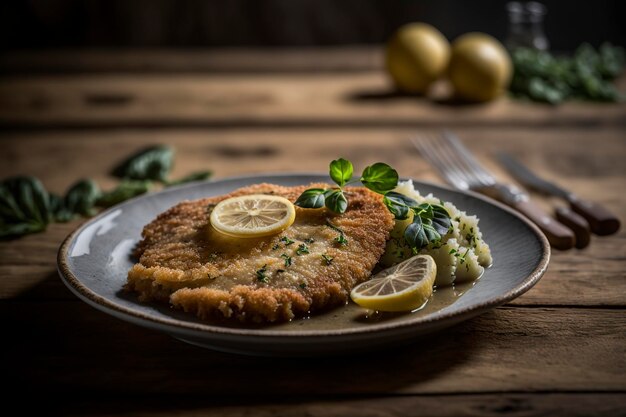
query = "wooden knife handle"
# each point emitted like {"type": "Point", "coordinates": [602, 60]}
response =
{"type": "Point", "coordinates": [577, 223]}
{"type": "Point", "coordinates": [601, 220]}
{"type": "Point", "coordinates": [559, 236]}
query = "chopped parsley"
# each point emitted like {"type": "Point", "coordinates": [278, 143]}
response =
{"type": "Point", "coordinates": [287, 259]}
{"type": "Point", "coordinates": [327, 259]}
{"type": "Point", "coordinates": [461, 257]}
{"type": "Point", "coordinates": [260, 274]}
{"type": "Point", "coordinates": [302, 285]}
{"type": "Point", "coordinates": [309, 240]}
{"type": "Point", "coordinates": [341, 239]}
{"type": "Point", "coordinates": [287, 241]}
{"type": "Point", "coordinates": [302, 249]}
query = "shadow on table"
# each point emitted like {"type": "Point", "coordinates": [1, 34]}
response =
{"type": "Point", "coordinates": [390, 95]}
{"type": "Point", "coordinates": [61, 345]}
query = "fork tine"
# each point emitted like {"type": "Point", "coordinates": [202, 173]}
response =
{"type": "Point", "coordinates": [478, 170]}
{"type": "Point", "coordinates": [453, 161]}
{"type": "Point", "coordinates": [456, 159]}
{"type": "Point", "coordinates": [427, 146]}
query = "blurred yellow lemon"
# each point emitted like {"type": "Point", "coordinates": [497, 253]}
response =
{"type": "Point", "coordinates": [480, 67]}
{"type": "Point", "coordinates": [416, 55]}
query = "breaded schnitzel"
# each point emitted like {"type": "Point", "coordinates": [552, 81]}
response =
{"type": "Point", "coordinates": [306, 268]}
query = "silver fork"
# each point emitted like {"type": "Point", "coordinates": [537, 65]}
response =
{"type": "Point", "coordinates": [459, 167]}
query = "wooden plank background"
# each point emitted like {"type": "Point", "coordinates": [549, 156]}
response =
{"type": "Point", "coordinates": [559, 349]}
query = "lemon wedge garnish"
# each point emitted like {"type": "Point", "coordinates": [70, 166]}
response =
{"type": "Point", "coordinates": [403, 287]}
{"type": "Point", "coordinates": [255, 215]}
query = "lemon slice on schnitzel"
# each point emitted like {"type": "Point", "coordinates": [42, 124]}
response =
{"type": "Point", "coordinates": [255, 215]}
{"type": "Point", "coordinates": [403, 287]}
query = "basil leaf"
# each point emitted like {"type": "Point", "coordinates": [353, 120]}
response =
{"type": "Point", "coordinates": [9, 209]}
{"type": "Point", "coordinates": [24, 207]}
{"type": "Point", "coordinates": [195, 176]}
{"type": "Point", "coordinates": [341, 171]}
{"type": "Point", "coordinates": [31, 199]}
{"type": "Point", "coordinates": [587, 74]}
{"type": "Point", "coordinates": [336, 201]}
{"type": "Point", "coordinates": [153, 163]}
{"type": "Point", "coordinates": [441, 221]}
{"type": "Point", "coordinates": [58, 210]}
{"type": "Point", "coordinates": [420, 233]}
{"type": "Point", "coordinates": [425, 211]}
{"type": "Point", "coordinates": [19, 229]}
{"type": "Point", "coordinates": [414, 234]}
{"type": "Point", "coordinates": [380, 178]}
{"type": "Point", "coordinates": [81, 197]}
{"type": "Point", "coordinates": [398, 204]}
{"type": "Point", "coordinates": [127, 189]}
{"type": "Point", "coordinates": [311, 198]}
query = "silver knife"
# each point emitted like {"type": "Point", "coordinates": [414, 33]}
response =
{"type": "Point", "coordinates": [601, 220]}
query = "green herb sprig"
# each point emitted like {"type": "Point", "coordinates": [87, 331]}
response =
{"type": "Point", "coordinates": [287, 259]}
{"type": "Point", "coordinates": [587, 75]}
{"type": "Point", "coordinates": [302, 249]}
{"type": "Point", "coordinates": [430, 221]}
{"type": "Point", "coordinates": [379, 178]}
{"type": "Point", "coordinates": [260, 274]}
{"type": "Point", "coordinates": [27, 207]}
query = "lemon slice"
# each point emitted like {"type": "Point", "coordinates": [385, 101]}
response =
{"type": "Point", "coordinates": [403, 287]}
{"type": "Point", "coordinates": [255, 215]}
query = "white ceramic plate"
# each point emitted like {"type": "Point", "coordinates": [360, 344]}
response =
{"type": "Point", "coordinates": [93, 262]}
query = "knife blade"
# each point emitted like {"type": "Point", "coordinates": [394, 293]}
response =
{"type": "Point", "coordinates": [601, 220]}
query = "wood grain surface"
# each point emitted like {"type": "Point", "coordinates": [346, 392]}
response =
{"type": "Point", "coordinates": [560, 349]}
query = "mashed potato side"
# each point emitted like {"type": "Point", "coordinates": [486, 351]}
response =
{"type": "Point", "coordinates": [461, 255]}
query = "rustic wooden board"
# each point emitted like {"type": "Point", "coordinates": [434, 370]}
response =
{"type": "Point", "coordinates": [557, 350]}
{"type": "Point", "coordinates": [206, 100]}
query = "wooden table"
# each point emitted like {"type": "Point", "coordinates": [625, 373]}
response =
{"type": "Point", "coordinates": [560, 349]}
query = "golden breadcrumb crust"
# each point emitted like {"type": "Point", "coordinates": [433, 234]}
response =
{"type": "Point", "coordinates": [183, 260]}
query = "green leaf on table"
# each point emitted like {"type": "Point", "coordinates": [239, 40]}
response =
{"type": "Point", "coordinates": [59, 212]}
{"type": "Point", "coordinates": [341, 171]}
{"type": "Point", "coordinates": [153, 163]}
{"type": "Point", "coordinates": [9, 209]}
{"type": "Point", "coordinates": [194, 176]}
{"type": "Point", "coordinates": [126, 189]}
{"type": "Point", "coordinates": [311, 198]}
{"type": "Point", "coordinates": [24, 206]}
{"type": "Point", "coordinates": [586, 75]}
{"type": "Point", "coordinates": [81, 197]}
{"type": "Point", "coordinates": [19, 229]}
{"type": "Point", "coordinates": [336, 201]}
{"type": "Point", "coordinates": [380, 178]}
{"type": "Point", "coordinates": [30, 198]}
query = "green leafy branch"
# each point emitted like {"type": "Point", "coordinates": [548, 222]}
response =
{"type": "Point", "coordinates": [430, 222]}
{"type": "Point", "coordinates": [379, 178]}
{"type": "Point", "coordinates": [587, 75]}
{"type": "Point", "coordinates": [27, 207]}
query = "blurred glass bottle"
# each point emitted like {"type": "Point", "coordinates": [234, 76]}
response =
{"type": "Point", "coordinates": [526, 25]}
